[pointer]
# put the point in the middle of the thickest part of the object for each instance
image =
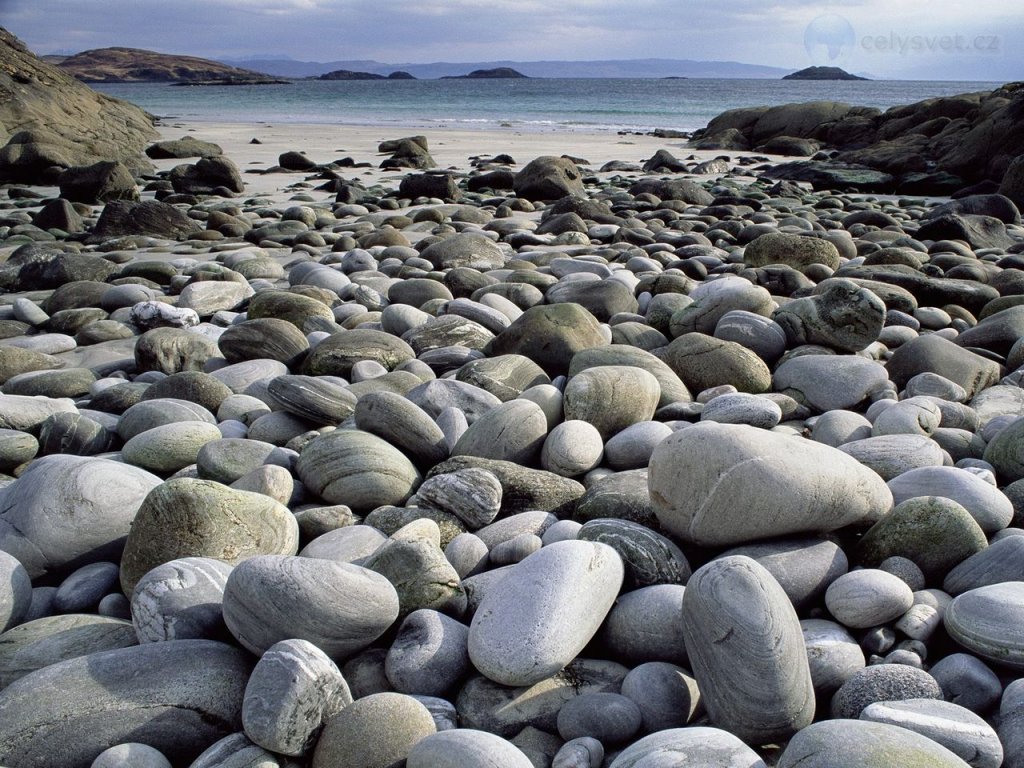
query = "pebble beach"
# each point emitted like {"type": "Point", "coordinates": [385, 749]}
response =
{"type": "Point", "coordinates": [494, 448]}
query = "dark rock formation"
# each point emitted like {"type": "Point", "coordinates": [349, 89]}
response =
{"type": "Point", "coordinates": [49, 121]}
{"type": "Point", "coordinates": [348, 74]}
{"type": "Point", "coordinates": [497, 73]}
{"type": "Point", "coordinates": [935, 146]}
{"type": "Point", "coordinates": [823, 73]}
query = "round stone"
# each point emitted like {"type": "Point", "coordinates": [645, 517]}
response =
{"type": "Point", "coordinates": [936, 533]}
{"type": "Point", "coordinates": [611, 718]}
{"type": "Point", "coordinates": [700, 745]}
{"type": "Point", "coordinates": [882, 682]}
{"type": "Point", "coordinates": [200, 518]}
{"type": "Point", "coordinates": [833, 654]}
{"type": "Point", "coordinates": [429, 654]}
{"type": "Point", "coordinates": [170, 447]}
{"type": "Point", "coordinates": [465, 747]}
{"type": "Point", "coordinates": [867, 598]}
{"type": "Point", "coordinates": [65, 511]}
{"type": "Point", "coordinates": [376, 730]}
{"type": "Point", "coordinates": [572, 448]}
{"type": "Point", "coordinates": [666, 694]}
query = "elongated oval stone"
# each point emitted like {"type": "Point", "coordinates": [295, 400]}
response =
{"type": "Point", "coordinates": [718, 484]}
{"type": "Point", "coordinates": [178, 697]}
{"type": "Point", "coordinates": [338, 607]}
{"type": "Point", "coordinates": [355, 468]}
{"type": "Point", "coordinates": [747, 651]}
{"type": "Point", "coordinates": [548, 608]}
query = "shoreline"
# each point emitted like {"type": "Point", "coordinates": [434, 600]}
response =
{"type": "Point", "coordinates": [452, 149]}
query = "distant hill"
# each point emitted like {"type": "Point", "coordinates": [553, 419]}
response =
{"type": "Point", "coordinates": [822, 73]}
{"type": "Point", "coordinates": [135, 65]}
{"type": "Point", "coordinates": [498, 73]}
{"type": "Point", "coordinates": [626, 68]}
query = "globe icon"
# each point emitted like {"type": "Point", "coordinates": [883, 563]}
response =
{"type": "Point", "coordinates": [829, 39]}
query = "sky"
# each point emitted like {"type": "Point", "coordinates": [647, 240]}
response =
{"type": "Point", "coordinates": [897, 39]}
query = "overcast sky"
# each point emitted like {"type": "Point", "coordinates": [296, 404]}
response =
{"type": "Point", "coordinates": [900, 39]}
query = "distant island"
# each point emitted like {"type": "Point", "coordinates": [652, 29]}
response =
{"type": "Point", "coordinates": [498, 73]}
{"type": "Point", "coordinates": [136, 65]}
{"type": "Point", "coordinates": [823, 73]}
{"type": "Point", "coordinates": [348, 74]}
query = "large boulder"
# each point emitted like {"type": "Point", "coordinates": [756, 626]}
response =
{"type": "Point", "coordinates": [98, 183]}
{"type": "Point", "coordinates": [207, 176]}
{"type": "Point", "coordinates": [50, 121]}
{"type": "Point", "coordinates": [178, 696]}
{"type": "Point", "coordinates": [809, 120]}
{"type": "Point", "coordinates": [548, 178]}
{"type": "Point", "coordinates": [186, 146]}
{"type": "Point", "coordinates": [719, 484]}
{"type": "Point", "coordinates": [149, 217]}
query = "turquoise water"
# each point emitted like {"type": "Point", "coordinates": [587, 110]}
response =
{"type": "Point", "coordinates": [528, 104]}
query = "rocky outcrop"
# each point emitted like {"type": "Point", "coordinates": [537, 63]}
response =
{"type": "Point", "coordinates": [136, 65]}
{"type": "Point", "coordinates": [935, 146]}
{"type": "Point", "coordinates": [50, 122]}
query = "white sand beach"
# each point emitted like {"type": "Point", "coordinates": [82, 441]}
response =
{"type": "Point", "coordinates": [451, 149]}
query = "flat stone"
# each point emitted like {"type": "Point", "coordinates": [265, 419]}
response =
{"type": "Point", "coordinates": [44, 641]}
{"type": "Point", "coordinates": [959, 730]}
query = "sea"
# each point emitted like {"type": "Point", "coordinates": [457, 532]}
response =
{"type": "Point", "coordinates": [529, 105]}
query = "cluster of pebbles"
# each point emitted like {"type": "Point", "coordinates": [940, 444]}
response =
{"type": "Point", "coordinates": [621, 470]}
